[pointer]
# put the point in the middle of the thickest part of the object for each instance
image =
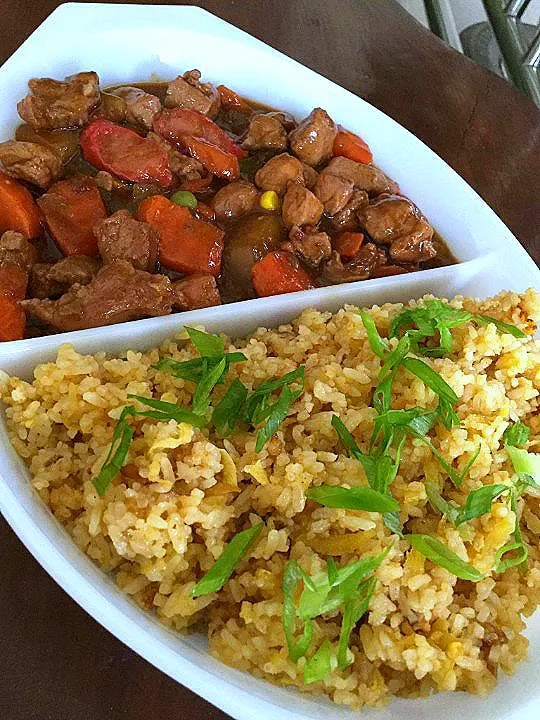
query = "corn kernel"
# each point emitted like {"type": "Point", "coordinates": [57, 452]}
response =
{"type": "Point", "coordinates": [454, 649]}
{"type": "Point", "coordinates": [270, 200]}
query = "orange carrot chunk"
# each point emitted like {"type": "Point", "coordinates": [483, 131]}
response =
{"type": "Point", "coordinates": [13, 319]}
{"type": "Point", "coordinates": [348, 243]}
{"type": "Point", "coordinates": [186, 244]}
{"type": "Point", "coordinates": [71, 208]}
{"type": "Point", "coordinates": [230, 99]}
{"type": "Point", "coordinates": [18, 210]}
{"type": "Point", "coordinates": [351, 146]}
{"type": "Point", "coordinates": [214, 159]}
{"type": "Point", "coordinates": [278, 273]}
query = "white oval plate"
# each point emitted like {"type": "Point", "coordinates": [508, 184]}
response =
{"type": "Point", "coordinates": [130, 42]}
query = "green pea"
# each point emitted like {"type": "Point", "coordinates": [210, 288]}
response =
{"type": "Point", "coordinates": [184, 198]}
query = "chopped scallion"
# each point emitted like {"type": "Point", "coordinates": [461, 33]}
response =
{"type": "Point", "coordinates": [225, 565]}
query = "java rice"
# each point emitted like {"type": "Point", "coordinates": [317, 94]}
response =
{"type": "Point", "coordinates": [184, 492]}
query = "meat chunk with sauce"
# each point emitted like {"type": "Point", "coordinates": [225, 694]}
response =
{"type": "Point", "coordinates": [300, 206]}
{"type": "Point", "coordinates": [29, 161]}
{"type": "Point", "coordinates": [118, 293]}
{"type": "Point", "coordinates": [184, 167]}
{"type": "Point", "coordinates": [312, 141]}
{"type": "Point", "coordinates": [188, 91]}
{"type": "Point", "coordinates": [278, 172]}
{"type": "Point", "coordinates": [312, 246]}
{"type": "Point", "coordinates": [366, 261]}
{"type": "Point", "coordinates": [396, 221]}
{"type": "Point", "coordinates": [16, 258]}
{"type": "Point", "coordinates": [310, 176]}
{"type": "Point", "coordinates": [130, 104]}
{"type": "Point", "coordinates": [53, 279]}
{"type": "Point", "coordinates": [334, 192]}
{"type": "Point", "coordinates": [235, 199]}
{"type": "Point", "coordinates": [266, 132]}
{"type": "Point", "coordinates": [364, 177]}
{"type": "Point", "coordinates": [121, 237]}
{"type": "Point", "coordinates": [54, 104]}
{"type": "Point", "coordinates": [194, 292]}
{"type": "Point", "coordinates": [16, 250]}
{"type": "Point", "coordinates": [347, 219]}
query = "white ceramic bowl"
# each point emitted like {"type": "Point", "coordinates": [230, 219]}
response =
{"type": "Point", "coordinates": [124, 43]}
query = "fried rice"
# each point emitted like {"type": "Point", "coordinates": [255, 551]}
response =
{"type": "Point", "coordinates": [184, 493]}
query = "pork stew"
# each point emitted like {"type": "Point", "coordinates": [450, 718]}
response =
{"type": "Point", "coordinates": [137, 201]}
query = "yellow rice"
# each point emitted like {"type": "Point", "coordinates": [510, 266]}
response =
{"type": "Point", "coordinates": [184, 493]}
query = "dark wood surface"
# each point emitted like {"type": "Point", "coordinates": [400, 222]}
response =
{"type": "Point", "coordinates": [56, 663]}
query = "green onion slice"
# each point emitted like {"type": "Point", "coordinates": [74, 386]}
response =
{"type": "Point", "coordinates": [227, 411]}
{"type": "Point", "coordinates": [433, 549]}
{"type": "Point", "coordinates": [355, 608]}
{"type": "Point", "coordinates": [208, 345]}
{"type": "Point", "coordinates": [355, 498]}
{"type": "Point", "coordinates": [225, 565]}
{"type": "Point", "coordinates": [121, 440]}
{"type": "Point", "coordinates": [319, 665]}
{"type": "Point", "coordinates": [516, 434]}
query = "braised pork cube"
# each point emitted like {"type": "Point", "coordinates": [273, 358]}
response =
{"type": "Point", "coordinates": [29, 161]}
{"type": "Point", "coordinates": [396, 221]}
{"type": "Point", "coordinates": [347, 218]}
{"type": "Point", "coordinates": [194, 292]}
{"type": "Point", "coordinates": [121, 237]}
{"type": "Point", "coordinates": [311, 245]}
{"type": "Point", "coordinates": [312, 141]}
{"type": "Point", "coordinates": [278, 172]}
{"type": "Point", "coordinates": [367, 260]}
{"type": "Point", "coordinates": [310, 176]}
{"type": "Point", "coordinates": [334, 192]}
{"type": "Point", "coordinates": [235, 199]}
{"type": "Point", "coordinates": [188, 91]}
{"type": "Point", "coordinates": [16, 257]}
{"type": "Point", "coordinates": [16, 250]}
{"type": "Point", "coordinates": [266, 132]}
{"type": "Point", "coordinates": [119, 292]}
{"type": "Point", "coordinates": [54, 104]}
{"type": "Point", "coordinates": [184, 167]}
{"type": "Point", "coordinates": [363, 177]}
{"type": "Point", "coordinates": [300, 206]}
{"type": "Point", "coordinates": [139, 106]}
{"type": "Point", "coordinates": [53, 279]}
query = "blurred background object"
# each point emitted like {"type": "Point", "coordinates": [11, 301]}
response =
{"type": "Point", "coordinates": [501, 35]}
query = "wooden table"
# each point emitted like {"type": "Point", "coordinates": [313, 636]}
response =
{"type": "Point", "coordinates": [56, 663]}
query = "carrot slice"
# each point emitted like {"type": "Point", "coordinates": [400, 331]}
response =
{"type": "Point", "coordinates": [215, 160]}
{"type": "Point", "coordinates": [18, 210]}
{"type": "Point", "coordinates": [186, 244]}
{"type": "Point", "coordinates": [13, 281]}
{"type": "Point", "coordinates": [348, 243]}
{"type": "Point", "coordinates": [278, 273]}
{"type": "Point", "coordinates": [13, 319]}
{"type": "Point", "coordinates": [230, 99]}
{"type": "Point", "coordinates": [71, 208]}
{"type": "Point", "coordinates": [351, 146]}
{"type": "Point", "coordinates": [175, 122]}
